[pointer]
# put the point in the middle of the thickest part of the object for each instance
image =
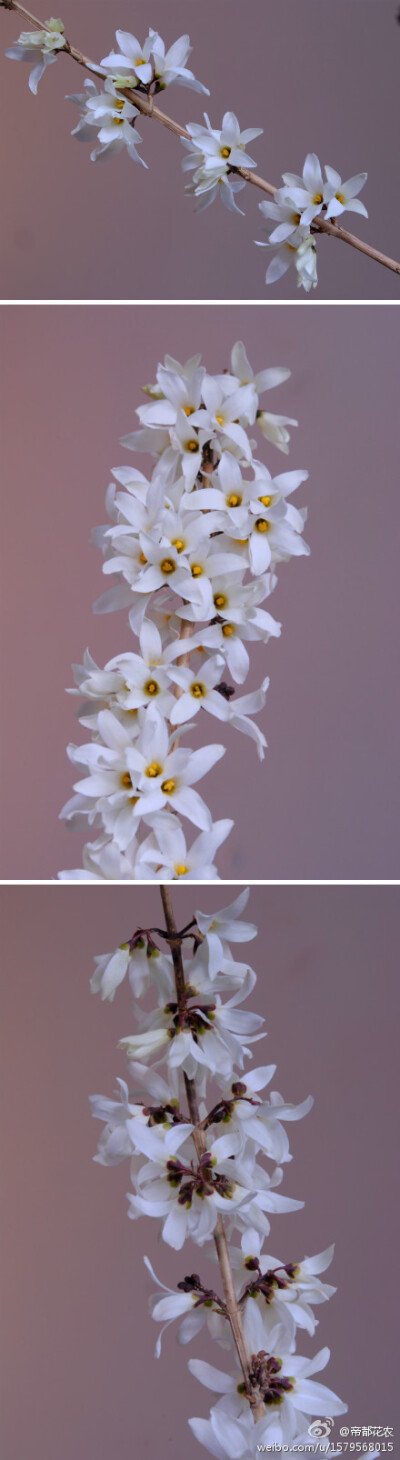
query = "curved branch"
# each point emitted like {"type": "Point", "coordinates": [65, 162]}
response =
{"type": "Point", "coordinates": [146, 106]}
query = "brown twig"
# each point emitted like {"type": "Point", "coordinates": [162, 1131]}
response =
{"type": "Point", "coordinates": [220, 1239]}
{"type": "Point", "coordinates": [148, 109]}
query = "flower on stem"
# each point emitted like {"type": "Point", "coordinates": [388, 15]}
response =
{"type": "Point", "coordinates": [112, 116]}
{"type": "Point", "coordinates": [346, 194]}
{"type": "Point", "coordinates": [284, 1380]}
{"type": "Point", "coordinates": [49, 42]}
{"type": "Point", "coordinates": [213, 154]}
{"type": "Point", "coordinates": [151, 65]}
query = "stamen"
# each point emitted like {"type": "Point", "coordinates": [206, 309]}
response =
{"type": "Point", "coordinates": [262, 525]}
{"type": "Point", "coordinates": [167, 565]}
{"type": "Point", "coordinates": [219, 600]}
{"type": "Point", "coordinates": [197, 690]}
{"type": "Point", "coordinates": [153, 770]}
{"type": "Point", "coordinates": [152, 688]}
{"type": "Point", "coordinates": [168, 787]}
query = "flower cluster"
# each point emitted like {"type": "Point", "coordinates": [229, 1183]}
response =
{"type": "Point", "coordinates": [195, 548]}
{"type": "Point", "coordinates": [48, 42]}
{"type": "Point", "coordinates": [214, 154]}
{"type": "Point", "coordinates": [218, 157]}
{"type": "Point", "coordinates": [214, 1170]}
{"type": "Point", "coordinates": [299, 204]}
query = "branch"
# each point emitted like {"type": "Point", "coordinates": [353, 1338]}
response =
{"type": "Point", "coordinates": [220, 1238]}
{"type": "Point", "coordinates": [146, 106]}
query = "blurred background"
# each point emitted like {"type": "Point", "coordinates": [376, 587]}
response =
{"type": "Point", "coordinates": [323, 802]}
{"type": "Point", "coordinates": [80, 1378]}
{"type": "Point", "coordinates": [320, 76]}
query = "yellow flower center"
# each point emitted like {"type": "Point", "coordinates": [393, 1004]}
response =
{"type": "Point", "coordinates": [220, 420]}
{"type": "Point", "coordinates": [120, 103]}
{"type": "Point", "coordinates": [226, 151]}
{"type": "Point", "coordinates": [153, 770]}
{"type": "Point", "coordinates": [318, 198]}
{"type": "Point", "coordinates": [142, 61]}
{"type": "Point", "coordinates": [197, 690]}
{"type": "Point", "coordinates": [126, 780]}
{"type": "Point", "coordinates": [180, 869]}
{"type": "Point", "coordinates": [151, 687]}
{"type": "Point", "coordinates": [262, 525]}
{"type": "Point", "coordinates": [188, 410]}
{"type": "Point", "coordinates": [219, 600]}
{"type": "Point", "coordinates": [168, 787]}
{"type": "Point", "coordinates": [227, 630]}
{"type": "Point", "coordinates": [196, 570]}
{"type": "Point", "coordinates": [340, 197]}
{"type": "Point", "coordinates": [118, 121]}
{"type": "Point", "coordinates": [167, 566]}
{"type": "Point", "coordinates": [296, 218]}
{"type": "Point", "coordinates": [142, 558]}
{"type": "Point", "coordinates": [266, 501]}
{"type": "Point", "coordinates": [177, 542]}
{"type": "Point", "coordinates": [192, 445]}
{"type": "Point", "coordinates": [234, 500]}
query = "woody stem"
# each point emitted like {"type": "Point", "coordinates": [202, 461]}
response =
{"type": "Point", "coordinates": [145, 104]}
{"type": "Point", "coordinates": [199, 1138]}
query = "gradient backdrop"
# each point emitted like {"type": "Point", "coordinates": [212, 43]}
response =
{"type": "Point", "coordinates": [80, 1377]}
{"type": "Point", "coordinates": [323, 802]}
{"type": "Point", "coordinates": [319, 76]}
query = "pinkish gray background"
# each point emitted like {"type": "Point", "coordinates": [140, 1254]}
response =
{"type": "Point", "coordinates": [319, 76]}
{"type": "Point", "coordinates": [79, 1374]}
{"type": "Point", "coordinates": [323, 802]}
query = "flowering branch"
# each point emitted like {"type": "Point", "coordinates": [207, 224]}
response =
{"type": "Point", "coordinates": [194, 550]}
{"type": "Point", "coordinates": [304, 207]}
{"type": "Point", "coordinates": [206, 1186]}
{"type": "Point", "coordinates": [232, 1306]}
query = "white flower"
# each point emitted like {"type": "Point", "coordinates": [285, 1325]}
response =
{"type": "Point", "coordinates": [260, 1121]}
{"type": "Point", "coordinates": [113, 118]}
{"type": "Point", "coordinates": [263, 379]}
{"type": "Point", "coordinates": [189, 1195]}
{"type": "Point", "coordinates": [306, 264]}
{"type": "Point", "coordinates": [274, 428]}
{"type": "Point", "coordinates": [285, 254]}
{"type": "Point", "coordinates": [164, 776]}
{"type": "Point", "coordinates": [187, 1304]}
{"type": "Point", "coordinates": [132, 59]}
{"type": "Point", "coordinates": [199, 692]}
{"type": "Point", "coordinates": [345, 194]}
{"type": "Point", "coordinates": [284, 213]}
{"type": "Point", "coordinates": [219, 150]}
{"type": "Point", "coordinates": [290, 1393]}
{"type": "Point", "coordinates": [224, 927]}
{"type": "Point", "coordinates": [114, 1144]}
{"type": "Point", "coordinates": [48, 41]}
{"type": "Point", "coordinates": [151, 63]}
{"type": "Point", "coordinates": [166, 857]}
{"type": "Point", "coordinates": [309, 192]}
